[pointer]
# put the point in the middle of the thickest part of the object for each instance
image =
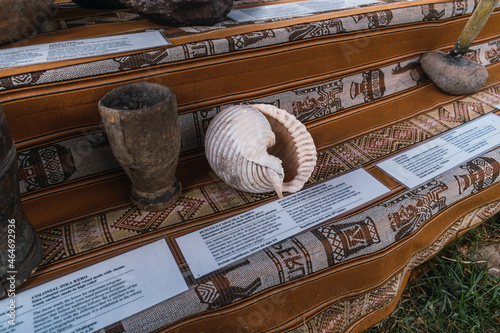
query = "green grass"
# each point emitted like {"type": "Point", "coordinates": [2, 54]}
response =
{"type": "Point", "coordinates": [454, 294]}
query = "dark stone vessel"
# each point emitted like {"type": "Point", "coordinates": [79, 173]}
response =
{"type": "Point", "coordinates": [20, 247]}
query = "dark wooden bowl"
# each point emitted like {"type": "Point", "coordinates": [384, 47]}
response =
{"type": "Point", "coordinates": [21, 18]}
{"type": "Point", "coordinates": [181, 12]}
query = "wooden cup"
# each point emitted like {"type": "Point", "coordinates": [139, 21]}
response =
{"type": "Point", "coordinates": [143, 130]}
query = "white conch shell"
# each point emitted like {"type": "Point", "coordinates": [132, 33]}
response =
{"type": "Point", "coordinates": [260, 148]}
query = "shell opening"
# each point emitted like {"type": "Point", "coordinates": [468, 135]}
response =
{"type": "Point", "coordinates": [284, 150]}
{"type": "Point", "coordinates": [294, 147]}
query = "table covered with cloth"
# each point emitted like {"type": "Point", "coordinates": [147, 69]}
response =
{"type": "Point", "coordinates": [352, 76]}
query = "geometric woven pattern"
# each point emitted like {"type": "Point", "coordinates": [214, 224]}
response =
{"type": "Point", "coordinates": [405, 15]}
{"type": "Point", "coordinates": [344, 240]}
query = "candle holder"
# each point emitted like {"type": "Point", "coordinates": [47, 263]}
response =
{"type": "Point", "coordinates": [143, 130]}
{"type": "Point", "coordinates": [20, 247]}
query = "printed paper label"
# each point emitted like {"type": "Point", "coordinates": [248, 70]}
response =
{"type": "Point", "coordinates": [295, 9]}
{"type": "Point", "coordinates": [80, 48]}
{"type": "Point", "coordinates": [97, 296]}
{"type": "Point", "coordinates": [220, 244]}
{"type": "Point", "coordinates": [428, 160]}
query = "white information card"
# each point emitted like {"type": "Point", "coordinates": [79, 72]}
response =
{"type": "Point", "coordinates": [96, 296]}
{"type": "Point", "coordinates": [294, 9]}
{"type": "Point", "coordinates": [430, 159]}
{"type": "Point", "coordinates": [80, 48]}
{"type": "Point", "coordinates": [213, 247]}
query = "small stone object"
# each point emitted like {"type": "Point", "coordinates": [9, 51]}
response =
{"type": "Point", "coordinates": [99, 4]}
{"type": "Point", "coordinates": [181, 12]}
{"type": "Point", "coordinates": [22, 18]}
{"type": "Point", "coordinates": [490, 254]}
{"type": "Point", "coordinates": [20, 247]}
{"type": "Point", "coordinates": [142, 125]}
{"type": "Point", "coordinates": [260, 148]}
{"type": "Point", "coordinates": [454, 75]}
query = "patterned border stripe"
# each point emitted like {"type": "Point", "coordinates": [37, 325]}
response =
{"type": "Point", "coordinates": [338, 317]}
{"type": "Point", "coordinates": [59, 25]}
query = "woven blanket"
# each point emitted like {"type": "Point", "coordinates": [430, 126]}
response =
{"type": "Point", "coordinates": [352, 77]}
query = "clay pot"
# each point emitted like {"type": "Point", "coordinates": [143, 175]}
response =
{"type": "Point", "coordinates": [181, 12]}
{"type": "Point", "coordinates": [21, 18]}
{"type": "Point", "coordinates": [99, 4]}
{"type": "Point", "coordinates": [20, 248]}
{"type": "Point", "coordinates": [143, 130]}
